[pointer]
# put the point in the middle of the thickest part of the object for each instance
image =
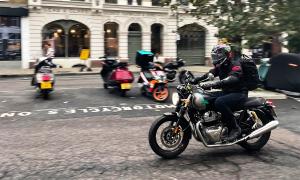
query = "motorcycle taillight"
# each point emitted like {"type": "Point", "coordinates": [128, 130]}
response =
{"type": "Point", "coordinates": [46, 78]}
{"type": "Point", "coordinates": [270, 103]}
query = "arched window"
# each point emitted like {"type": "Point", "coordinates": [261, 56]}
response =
{"type": "Point", "coordinates": [156, 38]}
{"type": "Point", "coordinates": [111, 40]}
{"type": "Point", "coordinates": [134, 40]}
{"type": "Point", "coordinates": [111, 1]}
{"type": "Point", "coordinates": [67, 38]}
{"type": "Point", "coordinates": [130, 2]}
{"type": "Point", "coordinates": [156, 3]}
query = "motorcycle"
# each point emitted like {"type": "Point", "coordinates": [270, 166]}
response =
{"type": "Point", "coordinates": [44, 78]}
{"type": "Point", "coordinates": [172, 68]}
{"type": "Point", "coordinates": [116, 75]}
{"type": "Point", "coordinates": [196, 116]}
{"type": "Point", "coordinates": [154, 84]}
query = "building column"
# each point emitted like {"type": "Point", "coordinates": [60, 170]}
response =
{"type": "Point", "coordinates": [210, 41]}
{"type": "Point", "coordinates": [169, 39]}
{"type": "Point", "coordinates": [122, 2]}
{"type": "Point", "coordinates": [97, 44]}
{"type": "Point", "coordinates": [146, 41]}
{"type": "Point", "coordinates": [147, 3]}
{"type": "Point", "coordinates": [123, 45]}
{"type": "Point", "coordinates": [25, 40]}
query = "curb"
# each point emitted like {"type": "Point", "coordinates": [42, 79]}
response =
{"type": "Point", "coordinates": [267, 94]}
{"type": "Point", "coordinates": [56, 74]}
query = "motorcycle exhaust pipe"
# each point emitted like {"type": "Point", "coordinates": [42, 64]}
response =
{"type": "Point", "coordinates": [266, 128]}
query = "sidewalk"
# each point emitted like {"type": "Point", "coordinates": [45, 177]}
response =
{"type": "Point", "coordinates": [75, 71]}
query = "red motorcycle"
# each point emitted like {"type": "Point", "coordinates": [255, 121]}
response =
{"type": "Point", "coordinates": [116, 75]}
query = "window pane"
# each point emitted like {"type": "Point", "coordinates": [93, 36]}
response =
{"type": "Point", "coordinates": [111, 1]}
{"type": "Point", "coordinates": [111, 39]}
{"type": "Point", "coordinates": [10, 38]}
{"type": "Point", "coordinates": [156, 38]}
{"type": "Point", "coordinates": [55, 35]}
{"type": "Point", "coordinates": [67, 38]}
{"type": "Point", "coordinates": [156, 3]}
{"type": "Point", "coordinates": [79, 38]}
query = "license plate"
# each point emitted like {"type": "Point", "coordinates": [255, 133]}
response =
{"type": "Point", "coordinates": [126, 86]}
{"type": "Point", "coordinates": [46, 85]}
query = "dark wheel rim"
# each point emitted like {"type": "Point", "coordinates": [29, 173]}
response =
{"type": "Point", "coordinates": [169, 137]}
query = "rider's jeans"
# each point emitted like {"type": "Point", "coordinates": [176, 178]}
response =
{"type": "Point", "coordinates": [226, 103]}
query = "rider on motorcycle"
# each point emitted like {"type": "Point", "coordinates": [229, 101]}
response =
{"type": "Point", "coordinates": [233, 94]}
{"type": "Point", "coordinates": [44, 61]}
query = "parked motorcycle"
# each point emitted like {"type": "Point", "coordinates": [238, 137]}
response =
{"type": "Point", "coordinates": [196, 115]}
{"type": "Point", "coordinates": [153, 78]}
{"type": "Point", "coordinates": [116, 75]}
{"type": "Point", "coordinates": [174, 67]}
{"type": "Point", "coordinates": [155, 84]}
{"type": "Point", "coordinates": [44, 78]}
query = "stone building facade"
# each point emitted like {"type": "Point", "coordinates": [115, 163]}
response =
{"type": "Point", "coordinates": [113, 28]}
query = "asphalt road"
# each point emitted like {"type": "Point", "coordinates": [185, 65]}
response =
{"type": "Point", "coordinates": [86, 132]}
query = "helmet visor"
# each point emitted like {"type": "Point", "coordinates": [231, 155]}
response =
{"type": "Point", "coordinates": [217, 58]}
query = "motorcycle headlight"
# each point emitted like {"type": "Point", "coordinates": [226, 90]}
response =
{"type": "Point", "coordinates": [175, 98]}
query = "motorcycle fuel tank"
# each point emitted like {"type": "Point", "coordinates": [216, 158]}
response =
{"type": "Point", "coordinates": [199, 101]}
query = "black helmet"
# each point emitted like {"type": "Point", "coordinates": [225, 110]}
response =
{"type": "Point", "coordinates": [220, 53]}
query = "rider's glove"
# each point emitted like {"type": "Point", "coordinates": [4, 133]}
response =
{"type": "Point", "coordinates": [214, 85]}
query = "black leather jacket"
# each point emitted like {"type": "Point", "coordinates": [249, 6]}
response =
{"type": "Point", "coordinates": [230, 75]}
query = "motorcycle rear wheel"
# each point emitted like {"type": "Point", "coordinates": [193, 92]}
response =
{"type": "Point", "coordinates": [123, 92]}
{"type": "Point", "coordinates": [105, 86]}
{"type": "Point", "coordinates": [45, 96]}
{"type": "Point", "coordinates": [160, 94]}
{"type": "Point", "coordinates": [257, 143]}
{"type": "Point", "coordinates": [176, 142]}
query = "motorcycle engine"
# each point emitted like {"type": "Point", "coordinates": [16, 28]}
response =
{"type": "Point", "coordinates": [213, 134]}
{"type": "Point", "coordinates": [213, 129]}
{"type": "Point", "coordinates": [210, 116]}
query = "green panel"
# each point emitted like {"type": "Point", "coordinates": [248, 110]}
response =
{"type": "Point", "coordinates": [134, 45]}
{"type": "Point", "coordinates": [191, 46]}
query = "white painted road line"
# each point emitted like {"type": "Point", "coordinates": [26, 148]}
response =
{"type": "Point", "coordinates": [86, 110]}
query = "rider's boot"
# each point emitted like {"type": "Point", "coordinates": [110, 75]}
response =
{"type": "Point", "coordinates": [235, 132]}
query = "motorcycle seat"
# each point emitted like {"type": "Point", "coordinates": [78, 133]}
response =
{"type": "Point", "coordinates": [45, 69]}
{"type": "Point", "coordinates": [254, 102]}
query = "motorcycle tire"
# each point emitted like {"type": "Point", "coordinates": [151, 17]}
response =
{"type": "Point", "coordinates": [123, 93]}
{"type": "Point", "coordinates": [160, 93]}
{"type": "Point", "coordinates": [168, 154]}
{"type": "Point", "coordinates": [45, 96]}
{"type": "Point", "coordinates": [105, 86]}
{"type": "Point", "coordinates": [261, 140]}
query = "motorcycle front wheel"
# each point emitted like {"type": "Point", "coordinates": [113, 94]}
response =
{"type": "Point", "coordinates": [160, 93]}
{"type": "Point", "coordinates": [166, 140]}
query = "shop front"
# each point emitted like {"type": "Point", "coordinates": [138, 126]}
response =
{"type": "Point", "coordinates": [10, 33]}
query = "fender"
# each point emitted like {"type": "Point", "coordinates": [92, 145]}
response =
{"type": "Point", "coordinates": [265, 112]}
{"type": "Point", "coordinates": [183, 122]}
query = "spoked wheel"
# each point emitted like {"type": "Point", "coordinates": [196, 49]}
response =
{"type": "Point", "coordinates": [257, 143]}
{"type": "Point", "coordinates": [160, 93]}
{"type": "Point", "coordinates": [166, 140]}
